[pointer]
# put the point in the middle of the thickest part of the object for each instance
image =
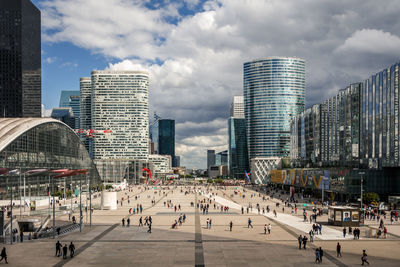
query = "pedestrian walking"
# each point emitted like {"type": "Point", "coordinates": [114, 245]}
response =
{"type": "Point", "coordinates": [3, 255]}
{"type": "Point", "coordinates": [71, 250]}
{"type": "Point", "coordinates": [265, 229]}
{"type": "Point", "coordinates": [338, 250]}
{"type": "Point", "coordinates": [149, 230]}
{"type": "Point", "coordinates": [128, 222]}
{"type": "Point", "coordinates": [305, 242]}
{"type": "Point", "coordinates": [123, 221]}
{"type": "Point", "coordinates": [364, 258]}
{"type": "Point", "coordinates": [300, 239]}
{"type": "Point", "coordinates": [249, 223]}
{"type": "Point", "coordinates": [230, 226]}
{"type": "Point", "coordinates": [344, 232]}
{"type": "Point", "coordinates": [269, 228]}
{"type": "Point", "coordinates": [58, 249]}
{"type": "Point", "coordinates": [317, 256]}
{"type": "Point", "coordinates": [65, 251]}
{"type": "Point", "coordinates": [141, 221]}
{"type": "Point", "coordinates": [321, 254]}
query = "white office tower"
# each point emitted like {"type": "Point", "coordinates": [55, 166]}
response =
{"type": "Point", "coordinates": [237, 107]}
{"type": "Point", "coordinates": [120, 115]}
{"type": "Point", "coordinates": [85, 84]}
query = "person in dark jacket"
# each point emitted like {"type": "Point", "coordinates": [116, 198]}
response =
{"type": "Point", "coordinates": [4, 255]}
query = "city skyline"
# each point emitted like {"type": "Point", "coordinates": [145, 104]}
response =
{"type": "Point", "coordinates": [341, 42]}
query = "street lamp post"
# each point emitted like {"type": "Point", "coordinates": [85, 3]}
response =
{"type": "Point", "coordinates": [361, 193]}
{"type": "Point", "coordinates": [80, 205]}
{"type": "Point", "coordinates": [54, 211]}
{"type": "Point", "coordinates": [90, 204]}
{"type": "Point", "coordinates": [24, 191]}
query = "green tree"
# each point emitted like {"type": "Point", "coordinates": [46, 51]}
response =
{"type": "Point", "coordinates": [209, 181]}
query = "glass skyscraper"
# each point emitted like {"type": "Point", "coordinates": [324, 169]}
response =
{"type": "Point", "coordinates": [166, 139]}
{"type": "Point", "coordinates": [72, 99]}
{"type": "Point", "coordinates": [359, 127]}
{"type": "Point", "coordinates": [238, 154]}
{"type": "Point", "coordinates": [274, 92]}
{"type": "Point", "coordinates": [20, 59]}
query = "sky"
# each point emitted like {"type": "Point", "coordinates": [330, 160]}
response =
{"type": "Point", "coordinates": [194, 51]}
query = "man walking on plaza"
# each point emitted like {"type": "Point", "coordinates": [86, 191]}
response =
{"type": "Point", "coordinates": [338, 250]}
{"type": "Point", "coordinates": [364, 258]}
{"type": "Point", "coordinates": [230, 226]}
{"type": "Point", "coordinates": [149, 230]}
{"type": "Point", "coordinates": [71, 250]}
{"type": "Point", "coordinates": [128, 222]}
{"type": "Point", "coordinates": [249, 223]}
{"type": "Point", "coordinates": [344, 232]}
{"type": "Point", "coordinates": [269, 228]}
{"type": "Point", "coordinates": [58, 249]}
{"type": "Point", "coordinates": [141, 221]}
{"type": "Point", "coordinates": [321, 254]}
{"type": "Point", "coordinates": [123, 221]}
{"type": "Point", "coordinates": [305, 242]}
{"type": "Point", "coordinates": [3, 255]}
{"type": "Point", "coordinates": [65, 251]}
{"type": "Point", "coordinates": [300, 239]}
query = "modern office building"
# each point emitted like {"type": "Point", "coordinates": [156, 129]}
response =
{"type": "Point", "coordinates": [28, 145]}
{"type": "Point", "coordinates": [166, 138]}
{"type": "Point", "coordinates": [85, 123]}
{"type": "Point", "coordinates": [357, 129]}
{"type": "Point", "coordinates": [115, 171]}
{"type": "Point", "coordinates": [274, 92]}
{"type": "Point", "coordinates": [20, 59]}
{"type": "Point", "coordinates": [210, 158]}
{"type": "Point", "coordinates": [238, 154]}
{"type": "Point", "coordinates": [72, 99]}
{"type": "Point", "coordinates": [237, 107]}
{"type": "Point", "coordinates": [85, 85]}
{"type": "Point", "coordinates": [221, 158]}
{"type": "Point", "coordinates": [65, 96]}
{"type": "Point", "coordinates": [66, 115]}
{"type": "Point", "coordinates": [120, 105]}
{"type": "Point", "coordinates": [161, 165]}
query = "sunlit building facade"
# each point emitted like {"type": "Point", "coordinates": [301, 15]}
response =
{"type": "Point", "coordinates": [274, 92]}
{"type": "Point", "coordinates": [120, 114]}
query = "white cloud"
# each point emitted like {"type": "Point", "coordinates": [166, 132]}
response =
{"type": "Point", "coordinates": [371, 41]}
{"type": "Point", "coordinates": [200, 57]}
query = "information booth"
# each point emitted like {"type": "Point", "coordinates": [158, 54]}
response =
{"type": "Point", "coordinates": [344, 216]}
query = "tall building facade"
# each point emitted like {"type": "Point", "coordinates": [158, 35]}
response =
{"type": "Point", "coordinates": [221, 158]}
{"type": "Point", "coordinates": [358, 127]}
{"type": "Point", "coordinates": [120, 104]}
{"type": "Point", "coordinates": [237, 107]}
{"type": "Point", "coordinates": [85, 85]}
{"type": "Point", "coordinates": [72, 99]}
{"type": "Point", "coordinates": [20, 59]}
{"type": "Point", "coordinates": [210, 159]}
{"type": "Point", "coordinates": [166, 138]}
{"type": "Point", "coordinates": [66, 115]}
{"type": "Point", "coordinates": [274, 92]}
{"type": "Point", "coordinates": [238, 153]}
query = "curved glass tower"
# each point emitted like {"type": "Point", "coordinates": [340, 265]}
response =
{"type": "Point", "coordinates": [274, 92]}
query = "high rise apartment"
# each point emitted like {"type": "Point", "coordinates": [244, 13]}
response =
{"type": "Point", "coordinates": [274, 92]}
{"type": "Point", "coordinates": [120, 104]}
{"type": "Point", "coordinates": [20, 59]}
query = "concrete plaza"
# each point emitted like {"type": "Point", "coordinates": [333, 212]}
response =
{"type": "Point", "coordinates": [107, 243]}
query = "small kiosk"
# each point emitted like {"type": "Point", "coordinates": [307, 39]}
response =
{"type": "Point", "coordinates": [343, 216]}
